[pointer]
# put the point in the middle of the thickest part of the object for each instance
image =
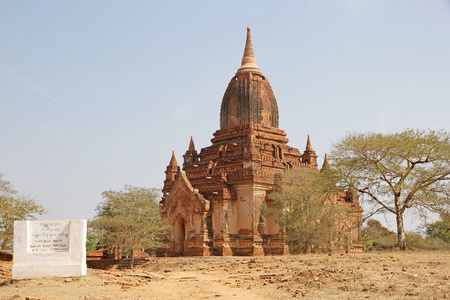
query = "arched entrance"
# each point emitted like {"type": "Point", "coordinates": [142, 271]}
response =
{"type": "Point", "coordinates": [179, 235]}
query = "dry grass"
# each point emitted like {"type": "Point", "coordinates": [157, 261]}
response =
{"type": "Point", "coordinates": [380, 275]}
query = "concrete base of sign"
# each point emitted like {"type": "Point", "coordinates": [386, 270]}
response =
{"type": "Point", "coordinates": [49, 248]}
{"type": "Point", "coordinates": [26, 272]}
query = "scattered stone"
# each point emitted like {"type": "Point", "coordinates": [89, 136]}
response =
{"type": "Point", "coordinates": [287, 278]}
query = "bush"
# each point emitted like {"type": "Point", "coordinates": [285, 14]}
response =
{"type": "Point", "coordinates": [379, 238]}
{"type": "Point", "coordinates": [417, 242]}
{"type": "Point", "coordinates": [440, 229]}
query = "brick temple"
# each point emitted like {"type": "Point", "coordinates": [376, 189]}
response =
{"type": "Point", "coordinates": [212, 202]}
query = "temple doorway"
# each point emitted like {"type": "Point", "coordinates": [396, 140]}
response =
{"type": "Point", "coordinates": [179, 236]}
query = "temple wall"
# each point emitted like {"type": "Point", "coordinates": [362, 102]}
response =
{"type": "Point", "coordinates": [197, 220]}
{"type": "Point", "coordinates": [270, 227]}
{"type": "Point", "coordinates": [244, 205]}
{"type": "Point", "coordinates": [217, 219]}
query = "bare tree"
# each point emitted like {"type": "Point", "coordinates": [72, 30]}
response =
{"type": "Point", "coordinates": [396, 172]}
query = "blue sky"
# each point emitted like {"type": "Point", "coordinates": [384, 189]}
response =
{"type": "Point", "coordinates": [96, 94]}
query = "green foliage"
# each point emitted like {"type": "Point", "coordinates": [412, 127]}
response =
{"type": "Point", "coordinates": [396, 172]}
{"type": "Point", "coordinates": [92, 239]}
{"type": "Point", "coordinates": [14, 207]}
{"type": "Point", "coordinates": [301, 203]}
{"type": "Point", "coordinates": [440, 229]}
{"type": "Point", "coordinates": [129, 219]}
{"type": "Point", "coordinates": [378, 237]}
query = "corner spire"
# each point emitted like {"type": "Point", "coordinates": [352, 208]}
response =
{"type": "Point", "coordinates": [171, 174]}
{"type": "Point", "coordinates": [173, 160]}
{"type": "Point", "coordinates": [251, 147]}
{"type": "Point", "coordinates": [248, 63]}
{"type": "Point", "coordinates": [309, 155]}
{"type": "Point", "coordinates": [326, 164]}
{"type": "Point", "coordinates": [191, 145]}
{"type": "Point", "coordinates": [191, 156]}
{"type": "Point", "coordinates": [308, 144]}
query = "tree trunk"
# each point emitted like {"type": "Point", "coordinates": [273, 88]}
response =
{"type": "Point", "coordinates": [401, 232]}
{"type": "Point", "coordinates": [306, 247]}
{"type": "Point", "coordinates": [132, 259]}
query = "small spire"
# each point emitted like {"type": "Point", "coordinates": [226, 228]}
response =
{"type": "Point", "coordinates": [190, 157]}
{"type": "Point", "coordinates": [309, 155]}
{"type": "Point", "coordinates": [252, 148]}
{"type": "Point", "coordinates": [191, 145]}
{"type": "Point", "coordinates": [248, 63]}
{"type": "Point", "coordinates": [308, 145]}
{"type": "Point", "coordinates": [173, 160]}
{"type": "Point", "coordinates": [326, 164]}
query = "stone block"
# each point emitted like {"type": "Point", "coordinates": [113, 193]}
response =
{"type": "Point", "coordinates": [49, 248]}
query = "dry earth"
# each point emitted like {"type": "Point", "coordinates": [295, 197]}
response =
{"type": "Point", "coordinates": [388, 275]}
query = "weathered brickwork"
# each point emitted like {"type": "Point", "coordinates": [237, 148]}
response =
{"type": "Point", "coordinates": [249, 98]}
{"type": "Point", "coordinates": [212, 204]}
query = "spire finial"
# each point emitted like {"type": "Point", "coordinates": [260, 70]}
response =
{"type": "Point", "coordinates": [248, 63]}
{"type": "Point", "coordinates": [308, 144]}
{"type": "Point", "coordinates": [173, 160]}
{"type": "Point", "coordinates": [191, 145]}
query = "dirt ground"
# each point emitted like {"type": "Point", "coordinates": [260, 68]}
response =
{"type": "Point", "coordinates": [387, 275]}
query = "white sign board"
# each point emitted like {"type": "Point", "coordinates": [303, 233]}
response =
{"type": "Point", "coordinates": [49, 248]}
{"type": "Point", "coordinates": [49, 237]}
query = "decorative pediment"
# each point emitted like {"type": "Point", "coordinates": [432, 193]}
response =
{"type": "Point", "coordinates": [183, 197]}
